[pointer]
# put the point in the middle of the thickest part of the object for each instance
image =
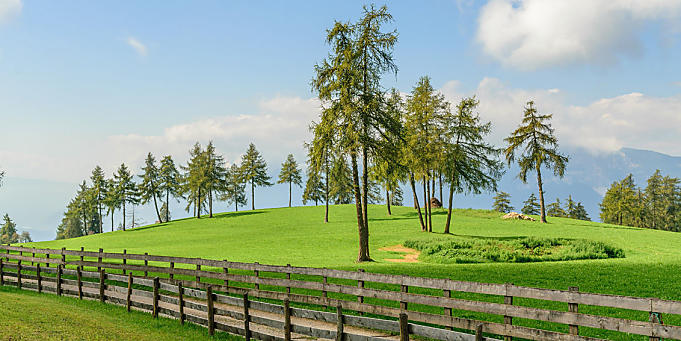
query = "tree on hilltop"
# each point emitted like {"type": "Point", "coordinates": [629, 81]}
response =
{"type": "Point", "coordinates": [530, 206]}
{"type": "Point", "coordinates": [99, 187]}
{"type": "Point", "coordinates": [254, 171]}
{"type": "Point", "coordinates": [555, 209]}
{"type": "Point", "coordinates": [149, 187]}
{"type": "Point", "coordinates": [538, 146]}
{"type": "Point", "coordinates": [169, 180]}
{"type": "Point", "coordinates": [235, 188]}
{"type": "Point", "coordinates": [126, 188]}
{"type": "Point", "coordinates": [8, 231]}
{"type": "Point", "coordinates": [290, 173]}
{"type": "Point", "coordinates": [502, 202]}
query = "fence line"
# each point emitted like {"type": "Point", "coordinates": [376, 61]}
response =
{"type": "Point", "coordinates": [364, 293]}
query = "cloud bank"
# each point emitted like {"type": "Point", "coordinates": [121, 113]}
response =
{"type": "Point", "coordinates": [140, 48]}
{"type": "Point", "coordinates": [9, 8]}
{"type": "Point", "coordinates": [532, 34]}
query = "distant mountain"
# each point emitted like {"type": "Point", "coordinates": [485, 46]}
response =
{"type": "Point", "coordinates": [587, 177]}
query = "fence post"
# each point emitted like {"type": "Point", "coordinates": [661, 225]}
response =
{"type": "Point", "coordinates": [211, 312]}
{"type": "Point", "coordinates": [448, 311]}
{"type": "Point", "coordinates": [32, 256]}
{"type": "Point", "coordinates": [325, 281]}
{"type": "Point", "coordinates": [102, 275]}
{"type": "Point", "coordinates": [81, 255]}
{"type": "Point", "coordinates": [80, 283]}
{"type": "Point", "coordinates": [63, 256]}
{"type": "Point", "coordinates": [404, 289]}
{"type": "Point", "coordinates": [574, 308]}
{"type": "Point", "coordinates": [404, 327]}
{"type": "Point", "coordinates": [59, 279]}
{"type": "Point", "coordinates": [226, 271]}
{"type": "Point", "coordinates": [654, 318]}
{"type": "Point", "coordinates": [2, 276]}
{"type": "Point", "coordinates": [257, 274]}
{"type": "Point", "coordinates": [19, 274]}
{"type": "Point", "coordinates": [146, 263]}
{"type": "Point", "coordinates": [155, 298]}
{"type": "Point", "coordinates": [339, 322]}
{"type": "Point", "coordinates": [47, 263]}
{"type": "Point", "coordinates": [360, 284]}
{"type": "Point", "coordinates": [128, 296]}
{"type": "Point", "coordinates": [288, 277]}
{"type": "Point", "coordinates": [172, 266]}
{"type": "Point", "coordinates": [180, 301]}
{"type": "Point", "coordinates": [247, 319]}
{"type": "Point", "coordinates": [508, 320]}
{"type": "Point", "coordinates": [478, 333]}
{"type": "Point", "coordinates": [40, 282]}
{"type": "Point", "coordinates": [287, 320]}
{"type": "Point", "coordinates": [99, 259]}
{"type": "Point", "coordinates": [198, 278]}
{"type": "Point", "coordinates": [124, 259]}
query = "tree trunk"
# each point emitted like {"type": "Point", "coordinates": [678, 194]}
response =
{"type": "Point", "coordinates": [123, 213]}
{"type": "Point", "coordinates": [387, 200]}
{"type": "Point", "coordinates": [198, 204]}
{"type": "Point", "coordinates": [425, 204]}
{"type": "Point", "coordinates": [541, 195]}
{"type": "Point", "coordinates": [289, 194]}
{"type": "Point", "coordinates": [430, 208]}
{"type": "Point", "coordinates": [101, 222]}
{"type": "Point", "coordinates": [167, 205]}
{"type": "Point", "coordinates": [449, 204]}
{"type": "Point", "coordinates": [363, 254]}
{"type": "Point", "coordinates": [210, 203]}
{"type": "Point", "coordinates": [112, 220]}
{"type": "Point", "coordinates": [158, 214]}
{"type": "Point", "coordinates": [365, 187]}
{"type": "Point", "coordinates": [416, 199]}
{"type": "Point", "coordinates": [441, 196]}
{"type": "Point", "coordinates": [326, 191]}
{"type": "Point", "coordinates": [252, 195]}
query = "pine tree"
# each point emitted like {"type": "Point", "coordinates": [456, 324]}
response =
{"type": "Point", "coordinates": [320, 159]}
{"type": "Point", "coordinates": [169, 181]}
{"type": "Point", "coordinates": [555, 209]}
{"type": "Point", "coordinates": [290, 173]}
{"type": "Point", "coordinates": [71, 224]}
{"type": "Point", "coordinates": [126, 188]}
{"type": "Point", "coordinates": [570, 208]}
{"type": "Point", "coordinates": [341, 187]}
{"type": "Point", "coordinates": [8, 231]}
{"type": "Point", "coordinates": [535, 138]}
{"type": "Point", "coordinates": [194, 180]}
{"type": "Point", "coordinates": [502, 202]}
{"type": "Point", "coordinates": [254, 171]}
{"type": "Point", "coordinates": [530, 206]}
{"type": "Point", "coordinates": [149, 187]}
{"type": "Point", "coordinates": [580, 212]}
{"type": "Point", "coordinates": [620, 202]}
{"type": "Point", "coordinates": [99, 187]}
{"type": "Point", "coordinates": [112, 200]}
{"type": "Point", "coordinates": [235, 188]}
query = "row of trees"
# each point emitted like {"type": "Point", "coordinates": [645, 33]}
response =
{"type": "Point", "coordinates": [657, 206]}
{"type": "Point", "coordinates": [571, 209]}
{"type": "Point", "coordinates": [204, 180]}
{"type": "Point", "coordinates": [422, 138]}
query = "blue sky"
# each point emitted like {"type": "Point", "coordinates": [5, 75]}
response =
{"type": "Point", "coordinates": [85, 83]}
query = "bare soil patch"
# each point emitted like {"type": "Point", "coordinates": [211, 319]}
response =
{"type": "Point", "coordinates": [409, 256]}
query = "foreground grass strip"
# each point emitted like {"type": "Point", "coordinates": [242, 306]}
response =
{"type": "Point", "coordinates": [32, 316]}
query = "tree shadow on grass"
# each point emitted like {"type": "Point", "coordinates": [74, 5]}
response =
{"type": "Point", "coordinates": [142, 228]}
{"type": "Point", "coordinates": [235, 214]}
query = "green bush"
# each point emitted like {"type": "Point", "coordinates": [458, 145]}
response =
{"type": "Point", "coordinates": [524, 250]}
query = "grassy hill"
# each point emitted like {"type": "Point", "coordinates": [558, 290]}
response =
{"type": "Point", "coordinates": [651, 266]}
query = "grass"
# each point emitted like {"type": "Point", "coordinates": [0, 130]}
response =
{"type": "Point", "coordinates": [31, 316]}
{"type": "Point", "coordinates": [651, 268]}
{"type": "Point", "coordinates": [521, 250]}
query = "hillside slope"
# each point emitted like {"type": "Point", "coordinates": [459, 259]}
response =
{"type": "Point", "coordinates": [652, 266]}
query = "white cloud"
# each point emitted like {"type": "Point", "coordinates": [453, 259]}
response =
{"type": "Point", "coordinates": [138, 46]}
{"type": "Point", "coordinates": [531, 34]}
{"type": "Point", "coordinates": [606, 125]}
{"type": "Point", "coordinates": [9, 8]}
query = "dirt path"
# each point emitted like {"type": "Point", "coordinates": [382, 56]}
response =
{"type": "Point", "coordinates": [409, 256]}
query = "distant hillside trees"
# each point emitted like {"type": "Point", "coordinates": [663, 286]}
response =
{"type": "Point", "coordinates": [234, 190]}
{"type": "Point", "coordinates": [126, 188]}
{"type": "Point", "coordinates": [149, 187]}
{"type": "Point", "coordinates": [533, 145]}
{"type": "Point", "coordinates": [555, 209]}
{"type": "Point", "coordinates": [315, 190]}
{"type": "Point", "coordinates": [98, 181]}
{"type": "Point", "coordinates": [169, 180]}
{"type": "Point", "coordinates": [290, 174]}
{"type": "Point", "coordinates": [8, 231]}
{"type": "Point", "coordinates": [658, 206]}
{"type": "Point", "coordinates": [254, 171]}
{"type": "Point", "coordinates": [530, 206]}
{"type": "Point", "coordinates": [502, 202]}
{"type": "Point", "coordinates": [25, 237]}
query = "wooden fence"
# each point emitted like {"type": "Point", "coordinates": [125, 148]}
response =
{"type": "Point", "coordinates": [215, 293]}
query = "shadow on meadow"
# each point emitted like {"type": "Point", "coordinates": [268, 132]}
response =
{"type": "Point", "coordinates": [236, 214]}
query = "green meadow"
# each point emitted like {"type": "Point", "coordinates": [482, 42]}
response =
{"type": "Point", "coordinates": [650, 266]}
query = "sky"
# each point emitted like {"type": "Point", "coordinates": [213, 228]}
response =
{"type": "Point", "coordinates": [86, 83]}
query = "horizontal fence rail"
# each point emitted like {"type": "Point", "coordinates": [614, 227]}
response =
{"type": "Point", "coordinates": [254, 300]}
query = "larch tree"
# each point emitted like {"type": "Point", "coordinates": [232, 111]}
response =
{"type": "Point", "coordinates": [555, 209]}
{"type": "Point", "coordinates": [341, 184]}
{"type": "Point", "coordinates": [254, 171]}
{"type": "Point", "coordinates": [194, 179]}
{"type": "Point", "coordinates": [234, 191]}
{"type": "Point", "coordinates": [99, 187]}
{"type": "Point", "coordinates": [290, 174]}
{"type": "Point", "coordinates": [112, 200]}
{"type": "Point", "coordinates": [215, 175]}
{"type": "Point", "coordinates": [535, 145]}
{"type": "Point", "coordinates": [315, 191]}
{"type": "Point", "coordinates": [169, 179]}
{"type": "Point", "coordinates": [149, 187]}
{"type": "Point", "coordinates": [8, 231]}
{"type": "Point", "coordinates": [619, 202]}
{"type": "Point", "coordinates": [502, 202]}
{"type": "Point", "coordinates": [530, 206]}
{"type": "Point", "coordinates": [320, 158]}
{"type": "Point", "coordinates": [126, 188]}
{"type": "Point", "coordinates": [471, 164]}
